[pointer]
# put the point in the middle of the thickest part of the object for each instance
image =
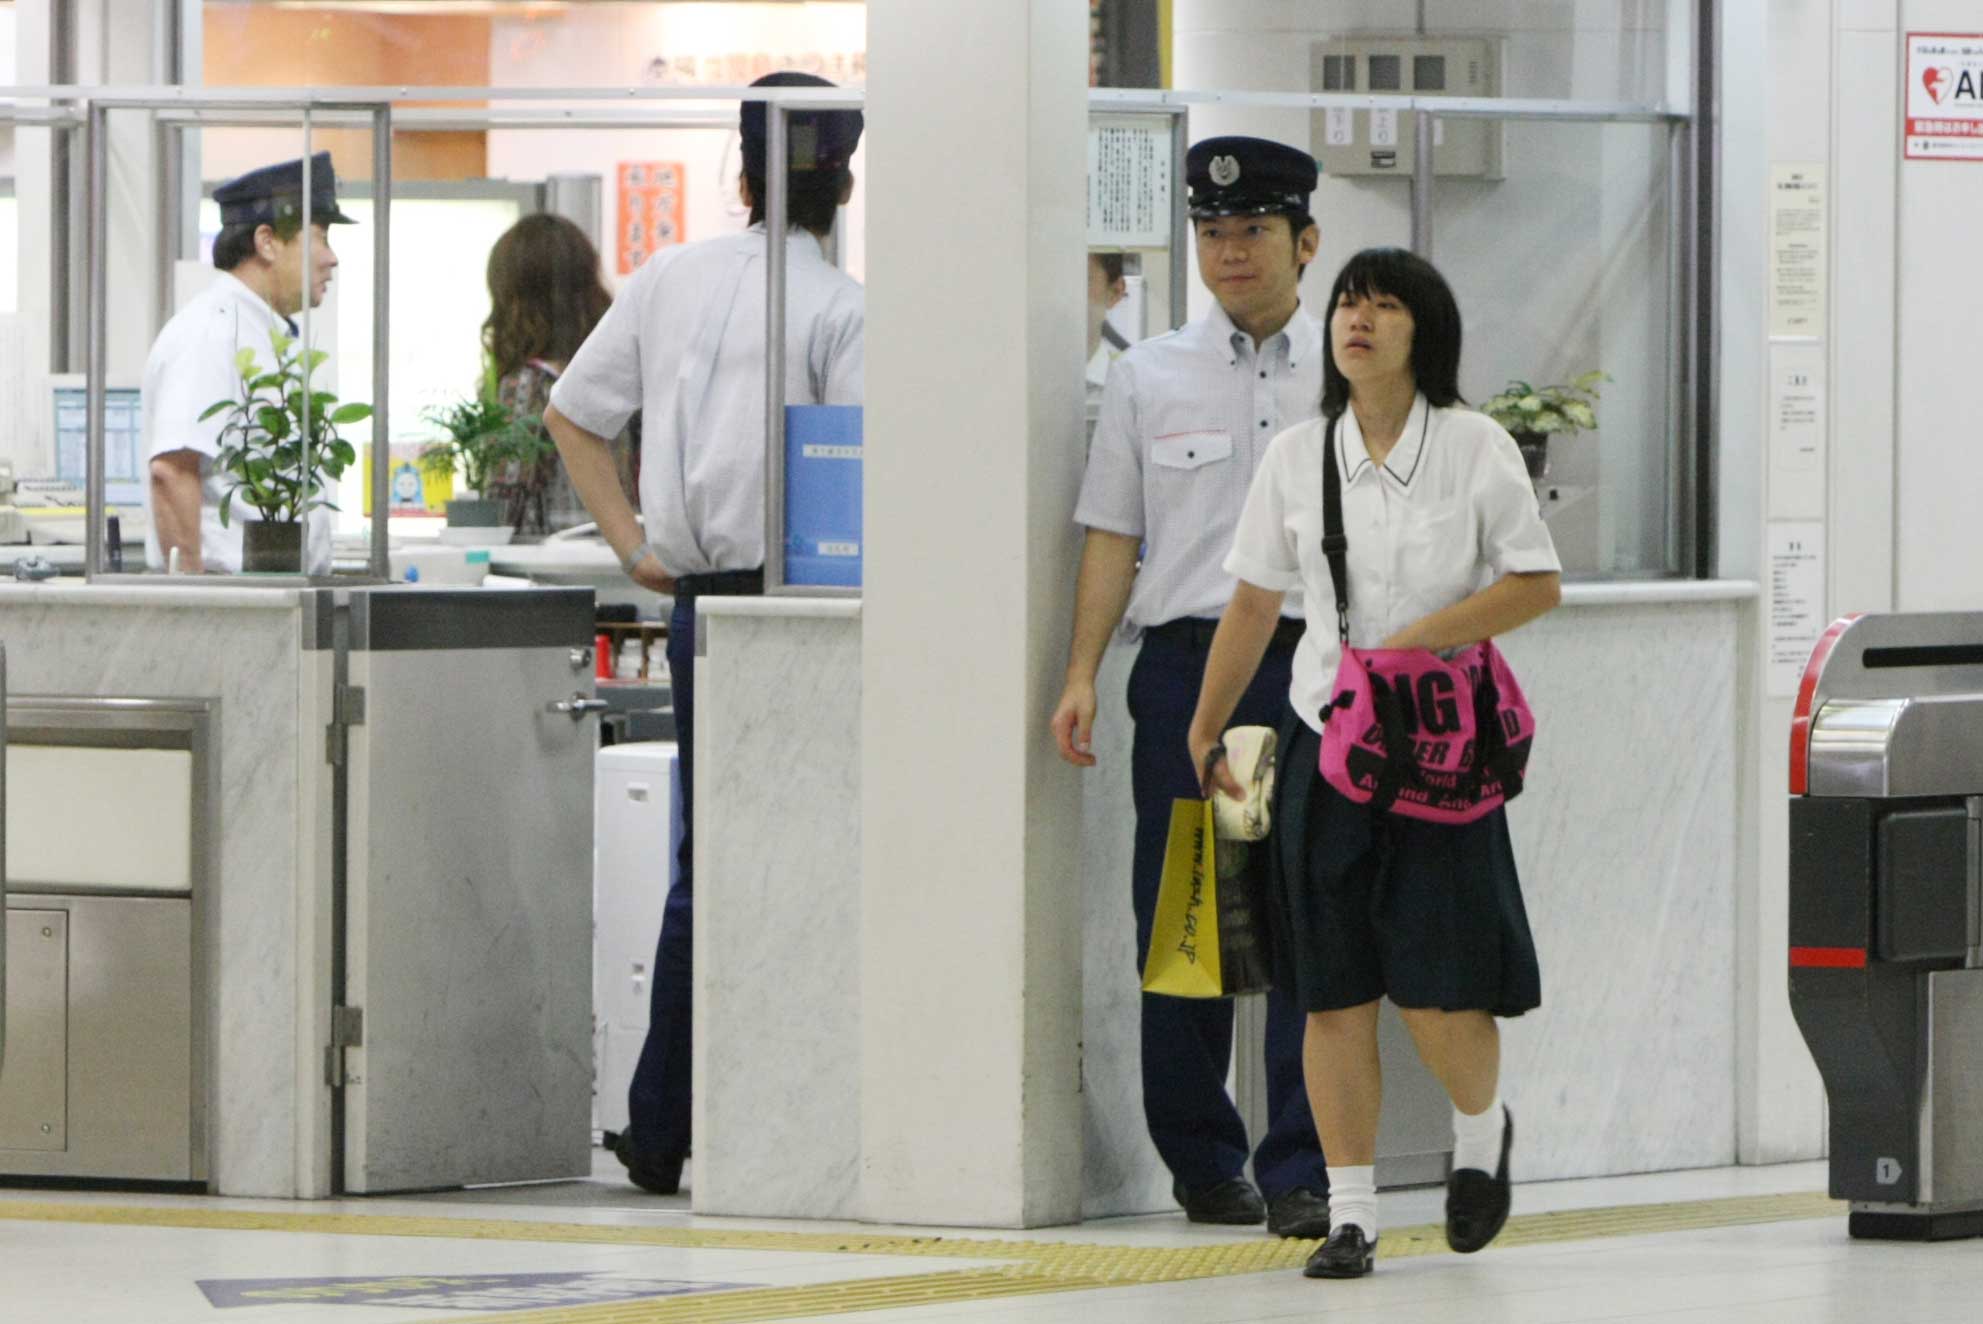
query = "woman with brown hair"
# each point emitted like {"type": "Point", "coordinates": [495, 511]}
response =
{"type": "Point", "coordinates": [545, 296]}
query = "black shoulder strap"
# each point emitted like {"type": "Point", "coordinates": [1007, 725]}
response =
{"type": "Point", "coordinates": [1335, 545]}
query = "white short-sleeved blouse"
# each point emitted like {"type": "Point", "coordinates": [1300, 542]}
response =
{"type": "Point", "coordinates": [1449, 512]}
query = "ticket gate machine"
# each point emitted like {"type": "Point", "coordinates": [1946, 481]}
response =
{"type": "Point", "coordinates": [1886, 915]}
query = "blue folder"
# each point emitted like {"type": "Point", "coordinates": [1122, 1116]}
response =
{"type": "Point", "coordinates": [823, 495]}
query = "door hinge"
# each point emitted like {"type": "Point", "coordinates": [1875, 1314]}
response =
{"type": "Point", "coordinates": [347, 711]}
{"type": "Point", "coordinates": [347, 1030]}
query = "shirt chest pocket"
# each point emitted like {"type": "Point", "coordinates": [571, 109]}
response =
{"type": "Point", "coordinates": [1436, 551]}
{"type": "Point", "coordinates": [1179, 452]}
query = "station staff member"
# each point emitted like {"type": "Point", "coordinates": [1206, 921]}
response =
{"type": "Point", "coordinates": [259, 287]}
{"type": "Point", "coordinates": [1185, 420]}
{"type": "Point", "coordinates": [685, 344]}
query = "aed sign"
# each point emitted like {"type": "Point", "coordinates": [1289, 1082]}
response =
{"type": "Point", "coordinates": [1944, 96]}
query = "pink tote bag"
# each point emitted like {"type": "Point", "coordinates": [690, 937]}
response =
{"type": "Point", "coordinates": [1409, 732]}
{"type": "Point", "coordinates": [1418, 735]}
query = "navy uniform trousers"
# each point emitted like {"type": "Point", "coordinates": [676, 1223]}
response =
{"type": "Point", "coordinates": [658, 1099]}
{"type": "Point", "coordinates": [1187, 1042]}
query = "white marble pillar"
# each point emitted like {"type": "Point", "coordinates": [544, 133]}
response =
{"type": "Point", "coordinates": [971, 891]}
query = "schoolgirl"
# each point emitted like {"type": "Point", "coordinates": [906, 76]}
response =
{"type": "Point", "coordinates": [1445, 548]}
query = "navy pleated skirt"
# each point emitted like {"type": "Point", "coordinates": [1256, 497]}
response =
{"type": "Point", "coordinates": [1371, 904]}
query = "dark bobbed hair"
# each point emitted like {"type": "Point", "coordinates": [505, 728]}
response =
{"type": "Point", "coordinates": [1111, 264]}
{"type": "Point", "coordinates": [1416, 283]}
{"type": "Point", "coordinates": [811, 197]}
{"type": "Point", "coordinates": [545, 295]}
{"type": "Point", "coordinates": [235, 244]}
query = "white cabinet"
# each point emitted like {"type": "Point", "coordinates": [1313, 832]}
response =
{"type": "Point", "coordinates": [637, 817]}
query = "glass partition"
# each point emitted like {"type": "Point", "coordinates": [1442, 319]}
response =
{"type": "Point", "coordinates": [220, 422]}
{"type": "Point", "coordinates": [442, 237]}
{"type": "Point", "coordinates": [1560, 184]}
{"type": "Point", "coordinates": [1569, 267]}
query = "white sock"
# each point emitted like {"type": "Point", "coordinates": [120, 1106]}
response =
{"type": "Point", "coordinates": [1353, 1198]}
{"type": "Point", "coordinates": [1477, 1138]}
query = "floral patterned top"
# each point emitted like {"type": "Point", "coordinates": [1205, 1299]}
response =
{"type": "Point", "coordinates": [544, 500]}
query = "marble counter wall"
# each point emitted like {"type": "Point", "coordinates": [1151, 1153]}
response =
{"type": "Point", "coordinates": [1626, 839]}
{"type": "Point", "coordinates": [777, 1112]}
{"type": "Point", "coordinates": [246, 654]}
{"type": "Point", "coordinates": [1626, 842]}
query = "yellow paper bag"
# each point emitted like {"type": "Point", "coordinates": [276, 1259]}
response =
{"type": "Point", "coordinates": [1183, 959]}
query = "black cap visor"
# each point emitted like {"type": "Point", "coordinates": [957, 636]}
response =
{"type": "Point", "coordinates": [1204, 205]}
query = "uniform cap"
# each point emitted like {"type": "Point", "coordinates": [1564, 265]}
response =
{"type": "Point", "coordinates": [816, 139]}
{"type": "Point", "coordinates": [275, 193]}
{"type": "Point", "coordinates": [1236, 176]}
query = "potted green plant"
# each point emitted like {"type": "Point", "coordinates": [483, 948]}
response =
{"type": "Point", "coordinates": [279, 445]}
{"type": "Point", "coordinates": [1532, 414]}
{"type": "Point", "coordinates": [483, 435]}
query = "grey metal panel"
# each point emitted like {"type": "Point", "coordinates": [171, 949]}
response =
{"type": "Point", "coordinates": [3, 856]}
{"type": "Point", "coordinates": [34, 1080]}
{"type": "Point", "coordinates": [1955, 1086]}
{"type": "Point", "coordinates": [1897, 707]}
{"type": "Point", "coordinates": [1929, 744]}
{"type": "Point", "coordinates": [1921, 886]}
{"type": "Point", "coordinates": [1415, 1133]}
{"type": "Point", "coordinates": [172, 1068]}
{"type": "Point", "coordinates": [132, 1074]}
{"type": "Point", "coordinates": [405, 619]}
{"type": "Point", "coordinates": [470, 920]}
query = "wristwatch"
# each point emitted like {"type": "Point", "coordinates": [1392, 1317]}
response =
{"type": "Point", "coordinates": [640, 553]}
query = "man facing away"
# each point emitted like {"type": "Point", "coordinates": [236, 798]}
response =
{"type": "Point", "coordinates": [685, 344]}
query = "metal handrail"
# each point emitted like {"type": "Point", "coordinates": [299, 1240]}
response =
{"type": "Point", "coordinates": [849, 98]}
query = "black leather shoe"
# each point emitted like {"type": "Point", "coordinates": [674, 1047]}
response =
{"type": "Point", "coordinates": [1346, 1254]}
{"type": "Point", "coordinates": [1301, 1213]}
{"type": "Point", "coordinates": [1477, 1204]}
{"type": "Point", "coordinates": [1231, 1201]}
{"type": "Point", "coordinates": [657, 1176]}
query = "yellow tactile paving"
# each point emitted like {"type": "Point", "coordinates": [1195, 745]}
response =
{"type": "Point", "coordinates": [1031, 1266]}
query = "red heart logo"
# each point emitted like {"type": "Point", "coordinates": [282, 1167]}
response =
{"type": "Point", "coordinates": [1935, 79]}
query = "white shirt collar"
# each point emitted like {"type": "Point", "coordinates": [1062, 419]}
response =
{"type": "Point", "coordinates": [798, 236]}
{"type": "Point", "coordinates": [1402, 464]}
{"type": "Point", "coordinates": [1300, 332]}
{"type": "Point", "coordinates": [243, 291]}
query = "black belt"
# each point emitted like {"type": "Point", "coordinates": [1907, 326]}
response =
{"type": "Point", "coordinates": [721, 584]}
{"type": "Point", "coordinates": [1197, 631]}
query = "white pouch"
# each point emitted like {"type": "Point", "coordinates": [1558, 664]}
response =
{"type": "Point", "coordinates": [1250, 752]}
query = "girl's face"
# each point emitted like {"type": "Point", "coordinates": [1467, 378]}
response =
{"type": "Point", "coordinates": [1370, 335]}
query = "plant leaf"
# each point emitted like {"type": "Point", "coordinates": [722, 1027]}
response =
{"type": "Point", "coordinates": [351, 413]}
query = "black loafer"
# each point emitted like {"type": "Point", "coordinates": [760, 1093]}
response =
{"type": "Point", "coordinates": [1346, 1254]}
{"type": "Point", "coordinates": [1477, 1204]}
{"type": "Point", "coordinates": [1301, 1213]}
{"type": "Point", "coordinates": [1231, 1201]}
{"type": "Point", "coordinates": [657, 1176]}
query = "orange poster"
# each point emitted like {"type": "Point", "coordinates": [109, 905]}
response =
{"type": "Point", "coordinates": [651, 212]}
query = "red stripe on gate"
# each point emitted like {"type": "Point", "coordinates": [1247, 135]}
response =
{"type": "Point", "coordinates": [1800, 717]}
{"type": "Point", "coordinates": [1828, 958]}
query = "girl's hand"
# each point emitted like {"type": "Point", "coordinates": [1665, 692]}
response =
{"type": "Point", "coordinates": [1219, 775]}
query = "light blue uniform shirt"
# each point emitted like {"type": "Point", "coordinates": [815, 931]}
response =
{"type": "Point", "coordinates": [1186, 420]}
